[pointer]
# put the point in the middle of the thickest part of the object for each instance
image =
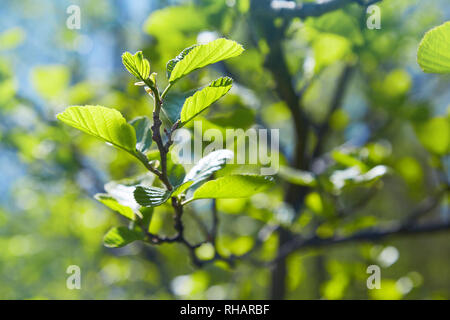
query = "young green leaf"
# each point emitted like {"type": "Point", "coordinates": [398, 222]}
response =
{"type": "Point", "coordinates": [203, 55]}
{"type": "Point", "coordinates": [143, 133]}
{"type": "Point", "coordinates": [121, 236]}
{"type": "Point", "coordinates": [182, 188]}
{"type": "Point", "coordinates": [175, 171]}
{"type": "Point", "coordinates": [234, 186]}
{"type": "Point", "coordinates": [136, 64]}
{"type": "Point", "coordinates": [151, 196]}
{"type": "Point", "coordinates": [173, 103]}
{"type": "Point", "coordinates": [101, 122]}
{"type": "Point", "coordinates": [112, 203]}
{"type": "Point", "coordinates": [171, 64]}
{"type": "Point", "coordinates": [433, 55]}
{"type": "Point", "coordinates": [202, 99]}
{"type": "Point", "coordinates": [209, 164]}
{"type": "Point", "coordinates": [123, 190]}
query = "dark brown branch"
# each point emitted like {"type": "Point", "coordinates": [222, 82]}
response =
{"type": "Point", "coordinates": [276, 63]}
{"type": "Point", "coordinates": [169, 134]}
{"type": "Point", "coordinates": [162, 151]}
{"type": "Point", "coordinates": [372, 235]}
{"type": "Point", "coordinates": [336, 103]}
{"type": "Point", "coordinates": [406, 227]}
{"type": "Point", "coordinates": [179, 235]}
{"type": "Point", "coordinates": [156, 131]}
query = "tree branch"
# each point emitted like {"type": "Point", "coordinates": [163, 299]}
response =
{"type": "Point", "coordinates": [336, 103]}
{"type": "Point", "coordinates": [372, 235]}
{"type": "Point", "coordinates": [156, 134]}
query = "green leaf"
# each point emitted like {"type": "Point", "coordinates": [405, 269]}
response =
{"type": "Point", "coordinates": [209, 164]}
{"type": "Point", "coordinates": [121, 236]}
{"type": "Point", "coordinates": [202, 99]}
{"type": "Point", "coordinates": [433, 55]}
{"type": "Point", "coordinates": [113, 204]}
{"type": "Point", "coordinates": [151, 196]}
{"type": "Point", "coordinates": [240, 117]}
{"type": "Point", "coordinates": [123, 191]}
{"type": "Point", "coordinates": [141, 126]}
{"type": "Point", "coordinates": [136, 64]}
{"type": "Point", "coordinates": [234, 186]}
{"type": "Point", "coordinates": [173, 103]}
{"type": "Point", "coordinates": [171, 64]}
{"type": "Point", "coordinates": [182, 188]}
{"type": "Point", "coordinates": [203, 55]}
{"type": "Point", "coordinates": [299, 177]}
{"type": "Point", "coordinates": [101, 122]}
{"type": "Point", "coordinates": [175, 171]}
{"type": "Point", "coordinates": [434, 135]}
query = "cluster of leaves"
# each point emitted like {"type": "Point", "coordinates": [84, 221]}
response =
{"type": "Point", "coordinates": [135, 200]}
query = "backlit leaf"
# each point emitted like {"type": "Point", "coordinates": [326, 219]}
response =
{"type": "Point", "coordinates": [112, 203]}
{"type": "Point", "coordinates": [202, 99]}
{"type": "Point", "coordinates": [234, 186]}
{"type": "Point", "coordinates": [433, 55]}
{"type": "Point", "coordinates": [171, 64]}
{"type": "Point", "coordinates": [182, 188]}
{"type": "Point", "coordinates": [151, 196]}
{"type": "Point", "coordinates": [203, 55]}
{"type": "Point", "coordinates": [209, 164]}
{"type": "Point", "coordinates": [136, 64]}
{"type": "Point", "coordinates": [141, 126]}
{"type": "Point", "coordinates": [101, 122]}
{"type": "Point", "coordinates": [121, 236]}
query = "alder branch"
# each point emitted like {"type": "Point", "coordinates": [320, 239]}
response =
{"type": "Point", "coordinates": [276, 63]}
{"type": "Point", "coordinates": [406, 227]}
{"type": "Point", "coordinates": [162, 175]}
{"type": "Point", "coordinates": [372, 235]}
{"type": "Point", "coordinates": [177, 205]}
{"type": "Point", "coordinates": [336, 103]}
{"type": "Point", "coordinates": [156, 135]}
